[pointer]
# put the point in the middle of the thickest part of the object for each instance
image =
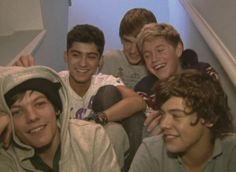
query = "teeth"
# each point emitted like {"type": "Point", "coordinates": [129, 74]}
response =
{"type": "Point", "coordinates": [159, 66]}
{"type": "Point", "coordinates": [36, 129]}
{"type": "Point", "coordinates": [82, 70]}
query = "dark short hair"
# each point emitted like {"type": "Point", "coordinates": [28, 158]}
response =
{"type": "Point", "coordinates": [86, 33]}
{"type": "Point", "coordinates": [44, 86]}
{"type": "Point", "coordinates": [133, 21]}
{"type": "Point", "coordinates": [202, 94]}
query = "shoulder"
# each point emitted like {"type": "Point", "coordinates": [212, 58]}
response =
{"type": "Point", "coordinates": [107, 79]}
{"type": "Point", "coordinates": [64, 73]}
{"type": "Point", "coordinates": [154, 142]}
{"type": "Point", "coordinates": [108, 54]}
{"type": "Point", "coordinates": [228, 141]}
{"type": "Point", "coordinates": [145, 84]}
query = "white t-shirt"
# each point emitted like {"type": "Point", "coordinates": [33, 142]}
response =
{"type": "Point", "coordinates": [82, 106]}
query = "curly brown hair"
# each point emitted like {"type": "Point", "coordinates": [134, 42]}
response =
{"type": "Point", "coordinates": [202, 94]}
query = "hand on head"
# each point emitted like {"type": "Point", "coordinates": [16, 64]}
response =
{"type": "Point", "coordinates": [25, 61]}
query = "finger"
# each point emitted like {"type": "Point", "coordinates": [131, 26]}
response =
{"type": "Point", "coordinates": [150, 117]}
{"type": "Point", "coordinates": [7, 136]}
{"type": "Point", "coordinates": [4, 120]}
{"type": "Point", "coordinates": [153, 124]}
{"type": "Point", "coordinates": [27, 60]}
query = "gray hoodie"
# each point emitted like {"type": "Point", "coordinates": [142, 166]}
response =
{"type": "Point", "coordinates": [85, 147]}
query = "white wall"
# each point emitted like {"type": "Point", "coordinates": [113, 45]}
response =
{"type": "Point", "coordinates": [17, 15]}
{"type": "Point", "coordinates": [55, 20]}
{"type": "Point", "coordinates": [221, 16]}
{"type": "Point", "coordinates": [193, 39]}
{"type": "Point", "coordinates": [107, 14]}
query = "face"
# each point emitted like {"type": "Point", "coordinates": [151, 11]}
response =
{"type": "Point", "coordinates": [178, 133]}
{"type": "Point", "coordinates": [161, 58]}
{"type": "Point", "coordinates": [130, 50]}
{"type": "Point", "coordinates": [34, 119]}
{"type": "Point", "coordinates": [83, 60]}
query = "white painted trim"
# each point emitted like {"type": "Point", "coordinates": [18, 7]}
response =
{"type": "Point", "coordinates": [227, 60]}
{"type": "Point", "coordinates": [29, 48]}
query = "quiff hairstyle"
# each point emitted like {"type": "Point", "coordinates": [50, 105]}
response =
{"type": "Point", "coordinates": [154, 30]}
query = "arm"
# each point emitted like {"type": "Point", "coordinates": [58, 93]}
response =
{"type": "Point", "coordinates": [5, 129]}
{"type": "Point", "coordinates": [128, 106]}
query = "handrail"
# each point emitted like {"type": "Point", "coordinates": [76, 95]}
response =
{"type": "Point", "coordinates": [227, 60]}
{"type": "Point", "coordinates": [29, 48]}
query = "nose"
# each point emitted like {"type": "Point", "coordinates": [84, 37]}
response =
{"type": "Point", "coordinates": [133, 47]}
{"type": "Point", "coordinates": [83, 61]}
{"type": "Point", "coordinates": [165, 122]}
{"type": "Point", "coordinates": [31, 115]}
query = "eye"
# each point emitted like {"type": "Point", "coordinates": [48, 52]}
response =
{"type": "Point", "coordinates": [75, 55]}
{"type": "Point", "coordinates": [177, 116]}
{"type": "Point", "coordinates": [92, 56]}
{"type": "Point", "coordinates": [146, 55]}
{"type": "Point", "coordinates": [16, 112]}
{"type": "Point", "coordinates": [40, 103]}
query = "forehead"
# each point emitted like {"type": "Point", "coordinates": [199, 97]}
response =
{"type": "Point", "coordinates": [155, 43]}
{"type": "Point", "coordinates": [28, 94]}
{"type": "Point", "coordinates": [174, 102]}
{"type": "Point", "coordinates": [84, 47]}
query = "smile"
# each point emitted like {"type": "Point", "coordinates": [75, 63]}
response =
{"type": "Point", "coordinates": [37, 129]}
{"type": "Point", "coordinates": [159, 66]}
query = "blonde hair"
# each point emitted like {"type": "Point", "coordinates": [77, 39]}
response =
{"type": "Point", "coordinates": [155, 30]}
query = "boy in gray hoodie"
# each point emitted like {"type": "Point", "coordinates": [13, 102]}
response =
{"type": "Point", "coordinates": [44, 136]}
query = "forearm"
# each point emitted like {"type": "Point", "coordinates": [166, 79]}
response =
{"type": "Point", "coordinates": [125, 108]}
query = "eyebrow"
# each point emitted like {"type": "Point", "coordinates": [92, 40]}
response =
{"type": "Point", "coordinates": [79, 52]}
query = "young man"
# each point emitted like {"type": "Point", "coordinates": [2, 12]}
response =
{"type": "Point", "coordinates": [161, 47]}
{"type": "Point", "coordinates": [195, 122]}
{"type": "Point", "coordinates": [127, 63]}
{"type": "Point", "coordinates": [85, 44]}
{"type": "Point", "coordinates": [45, 138]}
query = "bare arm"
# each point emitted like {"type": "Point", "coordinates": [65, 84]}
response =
{"type": "Point", "coordinates": [128, 106]}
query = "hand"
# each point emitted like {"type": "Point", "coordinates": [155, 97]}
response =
{"type": "Point", "coordinates": [5, 129]}
{"type": "Point", "coordinates": [25, 61]}
{"type": "Point", "coordinates": [152, 123]}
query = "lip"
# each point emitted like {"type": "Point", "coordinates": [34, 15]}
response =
{"type": "Point", "coordinates": [159, 66]}
{"type": "Point", "coordinates": [169, 137]}
{"type": "Point", "coordinates": [37, 129]}
{"type": "Point", "coordinates": [81, 70]}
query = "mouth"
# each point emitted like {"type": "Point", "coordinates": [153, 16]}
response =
{"type": "Point", "coordinates": [36, 129]}
{"type": "Point", "coordinates": [159, 66]}
{"type": "Point", "coordinates": [81, 70]}
{"type": "Point", "coordinates": [169, 137]}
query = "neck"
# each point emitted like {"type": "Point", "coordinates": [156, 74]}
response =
{"type": "Point", "coordinates": [47, 153]}
{"type": "Point", "coordinates": [79, 87]}
{"type": "Point", "coordinates": [196, 159]}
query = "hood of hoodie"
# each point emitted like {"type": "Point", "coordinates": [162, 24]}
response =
{"type": "Point", "coordinates": [10, 77]}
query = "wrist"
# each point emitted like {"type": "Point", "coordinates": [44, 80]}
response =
{"type": "Point", "coordinates": [101, 118]}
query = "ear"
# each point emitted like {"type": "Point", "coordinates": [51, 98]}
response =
{"type": "Point", "coordinates": [207, 124]}
{"type": "Point", "coordinates": [101, 62]}
{"type": "Point", "coordinates": [65, 57]}
{"type": "Point", "coordinates": [179, 49]}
